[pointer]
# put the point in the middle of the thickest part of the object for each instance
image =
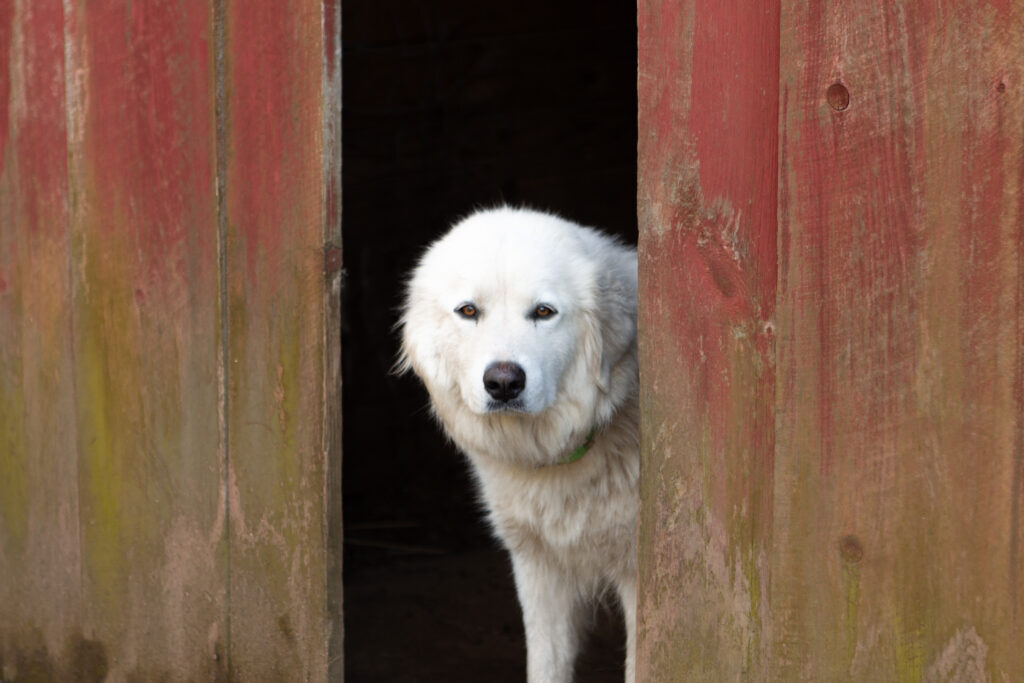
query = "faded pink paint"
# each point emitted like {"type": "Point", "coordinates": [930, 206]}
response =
{"type": "Point", "coordinates": [268, 83]}
{"type": "Point", "coordinates": [41, 137]}
{"type": "Point", "coordinates": [141, 83]}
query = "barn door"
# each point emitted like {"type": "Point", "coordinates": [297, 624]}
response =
{"type": "Point", "coordinates": [832, 325]}
{"type": "Point", "coordinates": [169, 378]}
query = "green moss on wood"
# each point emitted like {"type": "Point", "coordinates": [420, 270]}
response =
{"type": "Point", "coordinates": [14, 494]}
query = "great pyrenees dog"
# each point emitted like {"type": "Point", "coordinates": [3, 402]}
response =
{"type": "Point", "coordinates": [522, 326]}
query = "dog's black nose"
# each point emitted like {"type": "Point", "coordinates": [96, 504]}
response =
{"type": "Point", "coordinates": [504, 381]}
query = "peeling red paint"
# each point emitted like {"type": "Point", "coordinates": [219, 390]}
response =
{"type": "Point", "coordinates": [270, 146]}
{"type": "Point", "coordinates": [280, 169]}
{"type": "Point", "coordinates": [836, 173]}
{"type": "Point", "coordinates": [734, 97]}
{"type": "Point", "coordinates": [898, 260]}
{"type": "Point", "coordinates": [708, 107]}
{"type": "Point", "coordinates": [108, 385]}
{"type": "Point", "coordinates": [831, 411]}
{"type": "Point", "coordinates": [38, 541]}
{"type": "Point", "coordinates": [139, 82]}
{"type": "Point", "coordinates": [111, 445]}
{"type": "Point", "coordinates": [41, 149]}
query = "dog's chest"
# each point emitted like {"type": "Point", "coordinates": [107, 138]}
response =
{"type": "Point", "coordinates": [583, 525]}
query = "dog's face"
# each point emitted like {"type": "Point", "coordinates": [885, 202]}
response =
{"type": "Point", "coordinates": [523, 328]}
{"type": "Point", "coordinates": [498, 314]}
{"type": "Point", "coordinates": [512, 333]}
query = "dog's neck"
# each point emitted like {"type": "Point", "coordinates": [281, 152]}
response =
{"type": "Point", "coordinates": [580, 450]}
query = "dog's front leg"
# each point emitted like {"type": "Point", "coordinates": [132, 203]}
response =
{"type": "Point", "coordinates": [627, 596]}
{"type": "Point", "coordinates": [550, 605]}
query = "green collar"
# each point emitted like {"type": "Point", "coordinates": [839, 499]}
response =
{"type": "Point", "coordinates": [580, 450]}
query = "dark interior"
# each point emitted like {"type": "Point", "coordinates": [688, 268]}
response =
{"type": "Point", "coordinates": [447, 106]}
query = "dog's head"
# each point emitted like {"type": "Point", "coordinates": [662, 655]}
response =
{"type": "Point", "coordinates": [514, 311]}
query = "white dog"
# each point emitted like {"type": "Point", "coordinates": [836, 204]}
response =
{"type": "Point", "coordinates": [522, 325]}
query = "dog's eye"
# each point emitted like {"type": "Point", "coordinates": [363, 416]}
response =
{"type": "Point", "coordinates": [467, 311]}
{"type": "Point", "coordinates": [543, 311]}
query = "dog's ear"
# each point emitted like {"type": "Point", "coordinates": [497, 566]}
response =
{"type": "Point", "coordinates": [611, 325]}
{"type": "Point", "coordinates": [421, 357]}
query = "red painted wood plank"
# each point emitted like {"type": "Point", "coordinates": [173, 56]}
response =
{"type": "Point", "coordinates": [144, 268]}
{"type": "Point", "coordinates": [281, 179]}
{"type": "Point", "coordinates": [39, 553]}
{"type": "Point", "coordinates": [899, 343]}
{"type": "Point", "coordinates": [119, 527]}
{"type": "Point", "coordinates": [708, 120]}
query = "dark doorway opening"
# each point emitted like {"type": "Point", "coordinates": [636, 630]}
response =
{"type": "Point", "coordinates": [447, 106]}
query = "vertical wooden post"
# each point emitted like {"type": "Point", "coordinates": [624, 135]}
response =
{"type": "Point", "coordinates": [840, 497]}
{"type": "Point", "coordinates": [708, 107]}
{"type": "Point", "coordinates": [39, 471]}
{"type": "Point", "coordinates": [280, 229]}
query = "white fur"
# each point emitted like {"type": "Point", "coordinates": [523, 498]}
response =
{"type": "Point", "coordinates": [570, 527]}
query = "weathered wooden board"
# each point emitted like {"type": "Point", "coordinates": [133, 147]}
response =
{"type": "Point", "coordinates": [838, 498]}
{"type": "Point", "coordinates": [136, 333]}
{"type": "Point", "coordinates": [277, 192]}
{"type": "Point", "coordinates": [38, 436]}
{"type": "Point", "coordinates": [112, 535]}
{"type": "Point", "coordinates": [901, 240]}
{"type": "Point", "coordinates": [708, 108]}
{"type": "Point", "coordinates": [144, 272]}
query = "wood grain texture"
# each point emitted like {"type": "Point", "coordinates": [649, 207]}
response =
{"type": "Point", "coordinates": [140, 167]}
{"type": "Point", "coordinates": [708, 113]}
{"type": "Point", "coordinates": [899, 344]}
{"type": "Point", "coordinates": [868, 465]}
{"type": "Point", "coordinates": [275, 231]}
{"type": "Point", "coordinates": [38, 436]}
{"type": "Point", "coordinates": [159, 449]}
{"type": "Point", "coordinates": [112, 524]}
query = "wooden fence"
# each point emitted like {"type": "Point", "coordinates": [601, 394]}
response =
{"type": "Point", "coordinates": [169, 376]}
{"type": "Point", "coordinates": [832, 322]}
{"type": "Point", "coordinates": [832, 276]}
